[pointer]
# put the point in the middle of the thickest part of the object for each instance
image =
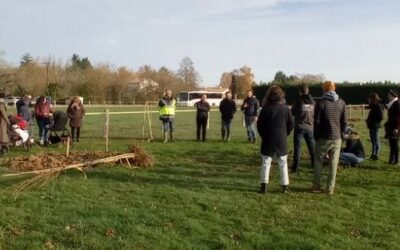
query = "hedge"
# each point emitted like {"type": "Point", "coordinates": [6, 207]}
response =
{"type": "Point", "coordinates": [350, 93]}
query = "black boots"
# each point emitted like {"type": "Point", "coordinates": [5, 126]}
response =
{"type": "Point", "coordinates": [263, 188]}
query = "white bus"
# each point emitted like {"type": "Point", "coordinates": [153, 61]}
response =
{"type": "Point", "coordinates": [189, 98]}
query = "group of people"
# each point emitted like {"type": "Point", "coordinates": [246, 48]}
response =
{"type": "Point", "coordinates": [42, 112]}
{"type": "Point", "coordinates": [322, 123]}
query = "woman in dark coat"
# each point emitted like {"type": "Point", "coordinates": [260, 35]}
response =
{"type": "Point", "coordinates": [375, 117]}
{"type": "Point", "coordinates": [24, 110]}
{"type": "Point", "coordinates": [275, 123]}
{"type": "Point", "coordinates": [75, 112]}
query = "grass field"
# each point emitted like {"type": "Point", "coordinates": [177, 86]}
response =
{"type": "Point", "coordinates": [201, 196]}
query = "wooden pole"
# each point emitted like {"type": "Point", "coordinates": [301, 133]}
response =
{"type": "Point", "coordinates": [144, 120]}
{"type": "Point", "coordinates": [68, 142]}
{"type": "Point", "coordinates": [208, 120]}
{"type": "Point", "coordinates": [350, 110]}
{"type": "Point", "coordinates": [149, 118]}
{"type": "Point", "coordinates": [362, 110]}
{"type": "Point", "coordinates": [107, 127]}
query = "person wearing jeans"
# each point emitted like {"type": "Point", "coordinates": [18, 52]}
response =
{"type": "Point", "coordinates": [167, 106]}
{"type": "Point", "coordinates": [42, 115]}
{"type": "Point", "coordinates": [353, 154]}
{"type": "Point", "coordinates": [303, 112]}
{"type": "Point", "coordinates": [227, 107]}
{"type": "Point", "coordinates": [375, 117]}
{"type": "Point", "coordinates": [329, 127]}
{"type": "Point", "coordinates": [250, 109]}
{"type": "Point", "coordinates": [274, 125]}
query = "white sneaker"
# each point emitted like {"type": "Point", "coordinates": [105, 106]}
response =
{"type": "Point", "coordinates": [41, 142]}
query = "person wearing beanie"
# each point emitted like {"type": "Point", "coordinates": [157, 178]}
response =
{"type": "Point", "coordinates": [392, 126]}
{"type": "Point", "coordinates": [329, 127]}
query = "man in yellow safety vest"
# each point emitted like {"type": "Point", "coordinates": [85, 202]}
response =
{"type": "Point", "coordinates": [166, 107]}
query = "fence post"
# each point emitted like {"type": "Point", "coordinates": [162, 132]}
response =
{"type": "Point", "coordinates": [106, 126]}
{"type": "Point", "coordinates": [350, 110]}
{"type": "Point", "coordinates": [362, 110]}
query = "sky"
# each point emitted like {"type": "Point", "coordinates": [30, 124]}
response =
{"type": "Point", "coordinates": [357, 40]}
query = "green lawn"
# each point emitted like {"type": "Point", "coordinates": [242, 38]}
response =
{"type": "Point", "coordinates": [199, 195]}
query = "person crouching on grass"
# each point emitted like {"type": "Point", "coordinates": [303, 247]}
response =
{"type": "Point", "coordinates": [75, 113]}
{"type": "Point", "coordinates": [274, 124]}
{"type": "Point", "coordinates": [202, 107]}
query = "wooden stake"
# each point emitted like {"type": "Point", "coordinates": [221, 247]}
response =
{"type": "Point", "coordinates": [68, 142]}
{"type": "Point", "coordinates": [107, 127]}
{"type": "Point", "coordinates": [208, 120]}
{"type": "Point", "coordinates": [149, 118]}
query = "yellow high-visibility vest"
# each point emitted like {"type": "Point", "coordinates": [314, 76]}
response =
{"type": "Point", "coordinates": [168, 110]}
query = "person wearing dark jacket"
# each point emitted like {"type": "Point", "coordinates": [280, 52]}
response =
{"type": "Point", "coordinates": [75, 112]}
{"type": "Point", "coordinates": [392, 126]}
{"type": "Point", "coordinates": [274, 124]}
{"type": "Point", "coordinates": [227, 107]}
{"type": "Point", "coordinates": [202, 107]}
{"type": "Point", "coordinates": [329, 127]}
{"type": "Point", "coordinates": [375, 117]}
{"type": "Point", "coordinates": [250, 109]}
{"type": "Point", "coordinates": [303, 112]}
{"type": "Point", "coordinates": [353, 154]}
{"type": "Point", "coordinates": [24, 110]}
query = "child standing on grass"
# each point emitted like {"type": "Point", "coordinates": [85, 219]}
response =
{"type": "Point", "coordinates": [75, 112]}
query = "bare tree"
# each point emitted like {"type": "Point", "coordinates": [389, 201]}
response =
{"type": "Point", "coordinates": [188, 73]}
{"type": "Point", "coordinates": [226, 80]}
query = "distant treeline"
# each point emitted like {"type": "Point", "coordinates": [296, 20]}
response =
{"type": "Point", "coordinates": [351, 93]}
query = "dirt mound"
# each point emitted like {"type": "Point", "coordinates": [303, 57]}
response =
{"type": "Point", "coordinates": [56, 160]}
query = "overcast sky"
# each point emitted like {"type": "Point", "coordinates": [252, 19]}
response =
{"type": "Point", "coordinates": [354, 40]}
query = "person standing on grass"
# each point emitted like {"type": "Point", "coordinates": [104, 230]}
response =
{"type": "Point", "coordinates": [75, 112]}
{"type": "Point", "coordinates": [24, 110]}
{"type": "Point", "coordinates": [375, 117]}
{"type": "Point", "coordinates": [42, 115]}
{"type": "Point", "coordinates": [167, 106]}
{"type": "Point", "coordinates": [274, 124]}
{"type": "Point", "coordinates": [202, 107]}
{"type": "Point", "coordinates": [227, 107]}
{"type": "Point", "coordinates": [250, 109]}
{"type": "Point", "coordinates": [329, 127]}
{"type": "Point", "coordinates": [303, 112]}
{"type": "Point", "coordinates": [392, 126]}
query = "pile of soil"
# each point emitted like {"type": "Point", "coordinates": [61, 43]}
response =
{"type": "Point", "coordinates": [56, 160]}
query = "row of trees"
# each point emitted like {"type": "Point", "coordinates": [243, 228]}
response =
{"type": "Point", "coordinates": [97, 83]}
{"type": "Point", "coordinates": [103, 82]}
